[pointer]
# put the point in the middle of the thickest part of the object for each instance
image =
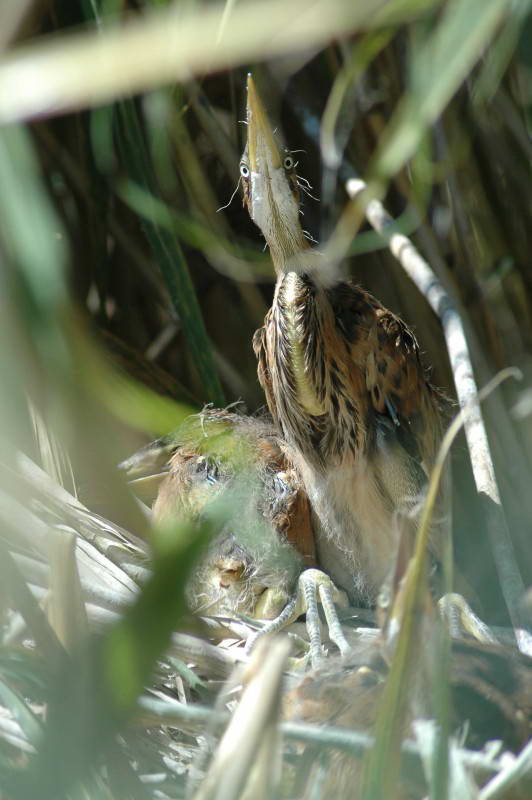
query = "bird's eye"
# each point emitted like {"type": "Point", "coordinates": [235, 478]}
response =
{"type": "Point", "coordinates": [244, 170]}
{"type": "Point", "coordinates": [288, 162]}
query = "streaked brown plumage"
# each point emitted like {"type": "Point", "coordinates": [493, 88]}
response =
{"type": "Point", "coordinates": [343, 381]}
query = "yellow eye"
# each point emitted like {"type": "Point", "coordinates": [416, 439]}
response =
{"type": "Point", "coordinates": [288, 162]}
{"type": "Point", "coordinates": [244, 170]}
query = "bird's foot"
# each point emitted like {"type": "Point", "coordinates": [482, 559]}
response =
{"type": "Point", "coordinates": [462, 620]}
{"type": "Point", "coordinates": [313, 585]}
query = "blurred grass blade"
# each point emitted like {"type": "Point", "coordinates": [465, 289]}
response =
{"type": "Point", "coordinates": [497, 58]}
{"type": "Point", "coordinates": [54, 459]}
{"type": "Point", "coordinates": [442, 63]}
{"type": "Point", "coordinates": [33, 324]}
{"type": "Point", "coordinates": [239, 752]}
{"type": "Point", "coordinates": [66, 610]}
{"type": "Point", "coordinates": [162, 47]}
{"type": "Point", "coordinates": [138, 406]}
{"type": "Point", "coordinates": [25, 207]}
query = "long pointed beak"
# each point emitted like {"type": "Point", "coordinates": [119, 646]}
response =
{"type": "Point", "coordinates": [263, 152]}
{"type": "Point", "coordinates": [271, 200]}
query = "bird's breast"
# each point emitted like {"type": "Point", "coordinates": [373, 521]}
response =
{"type": "Point", "coordinates": [317, 404]}
{"type": "Point", "coordinates": [296, 323]}
{"type": "Point", "coordinates": [354, 523]}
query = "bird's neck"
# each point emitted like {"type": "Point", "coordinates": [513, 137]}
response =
{"type": "Point", "coordinates": [293, 255]}
{"type": "Point", "coordinates": [290, 252]}
{"type": "Point", "coordinates": [294, 306]}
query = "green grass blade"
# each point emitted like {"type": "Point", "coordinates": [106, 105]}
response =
{"type": "Point", "coordinates": [170, 256]}
{"type": "Point", "coordinates": [438, 69]}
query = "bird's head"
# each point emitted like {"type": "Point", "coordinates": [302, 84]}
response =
{"type": "Point", "coordinates": [271, 191]}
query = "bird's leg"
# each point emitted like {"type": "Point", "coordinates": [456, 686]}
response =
{"type": "Point", "coordinates": [329, 596]}
{"type": "Point", "coordinates": [461, 619]}
{"type": "Point", "coordinates": [309, 586]}
{"type": "Point", "coordinates": [312, 585]}
{"type": "Point", "coordinates": [292, 610]}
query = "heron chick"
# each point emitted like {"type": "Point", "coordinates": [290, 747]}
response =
{"type": "Point", "coordinates": [237, 472]}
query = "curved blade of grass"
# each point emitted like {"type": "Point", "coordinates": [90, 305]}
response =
{"type": "Point", "coordinates": [499, 54]}
{"type": "Point", "coordinates": [362, 54]}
